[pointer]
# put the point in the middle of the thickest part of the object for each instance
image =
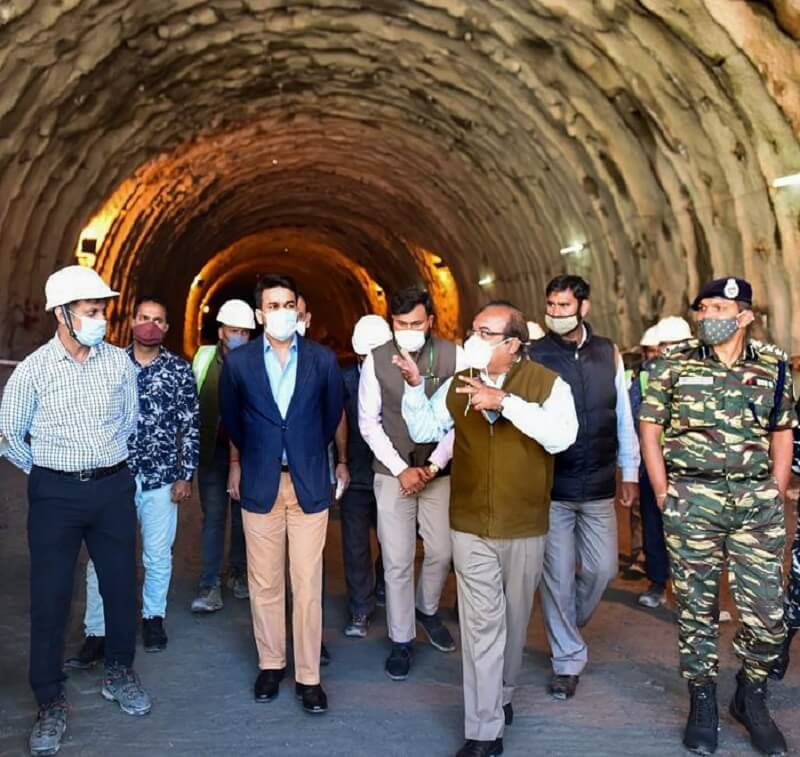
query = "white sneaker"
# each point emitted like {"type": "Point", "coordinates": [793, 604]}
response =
{"type": "Point", "coordinates": [208, 600]}
{"type": "Point", "coordinates": [724, 616]}
{"type": "Point", "coordinates": [654, 597]}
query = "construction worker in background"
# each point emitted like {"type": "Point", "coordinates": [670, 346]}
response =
{"type": "Point", "coordinates": [218, 463]}
{"type": "Point", "coordinates": [667, 332]}
{"type": "Point", "coordinates": [68, 411]}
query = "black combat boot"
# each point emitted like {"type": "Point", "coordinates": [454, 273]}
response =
{"type": "Point", "coordinates": [781, 665]}
{"type": "Point", "coordinates": [702, 724]}
{"type": "Point", "coordinates": [749, 707]}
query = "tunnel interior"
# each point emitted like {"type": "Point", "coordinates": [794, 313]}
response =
{"type": "Point", "coordinates": [475, 148]}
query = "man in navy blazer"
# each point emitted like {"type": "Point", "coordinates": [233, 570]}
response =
{"type": "Point", "coordinates": [281, 399]}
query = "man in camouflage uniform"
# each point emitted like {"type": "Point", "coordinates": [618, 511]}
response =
{"type": "Point", "coordinates": [724, 404]}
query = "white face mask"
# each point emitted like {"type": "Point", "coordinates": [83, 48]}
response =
{"type": "Point", "coordinates": [281, 324]}
{"type": "Point", "coordinates": [409, 340]}
{"type": "Point", "coordinates": [301, 327]}
{"type": "Point", "coordinates": [478, 352]}
{"type": "Point", "coordinates": [562, 324]}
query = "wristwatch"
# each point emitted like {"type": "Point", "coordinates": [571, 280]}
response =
{"type": "Point", "coordinates": [433, 468]}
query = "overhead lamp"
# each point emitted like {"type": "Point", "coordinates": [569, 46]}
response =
{"type": "Point", "coordinates": [87, 255]}
{"type": "Point", "coordinates": [198, 282]}
{"type": "Point", "coordinates": [792, 180]}
{"type": "Point", "coordinates": [486, 280]}
{"type": "Point", "coordinates": [206, 309]}
{"type": "Point", "coordinates": [569, 249]}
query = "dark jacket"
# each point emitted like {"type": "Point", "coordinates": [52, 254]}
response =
{"type": "Point", "coordinates": [359, 455]}
{"type": "Point", "coordinates": [587, 470]}
{"type": "Point", "coordinates": [255, 426]}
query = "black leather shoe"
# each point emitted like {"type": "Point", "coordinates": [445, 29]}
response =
{"type": "Point", "coordinates": [92, 652]}
{"type": "Point", "coordinates": [268, 684]}
{"type": "Point", "coordinates": [563, 687]}
{"type": "Point", "coordinates": [314, 699]}
{"type": "Point", "coordinates": [154, 637]}
{"type": "Point", "coordinates": [749, 707]}
{"type": "Point", "coordinates": [474, 748]}
{"type": "Point", "coordinates": [702, 725]}
{"type": "Point", "coordinates": [508, 712]}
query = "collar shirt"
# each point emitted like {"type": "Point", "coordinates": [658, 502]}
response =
{"type": "Point", "coordinates": [61, 414]}
{"type": "Point", "coordinates": [282, 378]}
{"type": "Point", "coordinates": [166, 447]}
{"type": "Point", "coordinates": [716, 419]}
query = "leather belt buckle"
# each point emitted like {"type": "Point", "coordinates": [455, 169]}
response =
{"type": "Point", "coordinates": [85, 475]}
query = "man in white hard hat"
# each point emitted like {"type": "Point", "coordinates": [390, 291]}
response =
{"type": "Point", "coordinates": [358, 507]}
{"type": "Point", "coordinates": [665, 333]}
{"type": "Point", "coordinates": [218, 463]}
{"type": "Point", "coordinates": [67, 412]}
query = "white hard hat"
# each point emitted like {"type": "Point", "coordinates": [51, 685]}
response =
{"type": "Point", "coordinates": [651, 337]}
{"type": "Point", "coordinates": [237, 314]}
{"type": "Point", "coordinates": [673, 328]}
{"type": "Point", "coordinates": [75, 282]}
{"type": "Point", "coordinates": [370, 332]}
{"type": "Point", "coordinates": [535, 331]}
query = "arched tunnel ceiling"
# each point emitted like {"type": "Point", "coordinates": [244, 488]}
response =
{"type": "Point", "coordinates": [490, 133]}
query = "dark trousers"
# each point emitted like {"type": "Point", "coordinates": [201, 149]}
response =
{"type": "Point", "coordinates": [212, 481]}
{"type": "Point", "coordinates": [62, 513]}
{"type": "Point", "coordinates": [656, 559]}
{"type": "Point", "coordinates": [358, 515]}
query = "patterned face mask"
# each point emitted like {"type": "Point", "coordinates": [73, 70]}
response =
{"type": "Point", "coordinates": [713, 331]}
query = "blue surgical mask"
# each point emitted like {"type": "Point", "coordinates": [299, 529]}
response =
{"type": "Point", "coordinates": [281, 324]}
{"type": "Point", "coordinates": [92, 330]}
{"type": "Point", "coordinates": [237, 340]}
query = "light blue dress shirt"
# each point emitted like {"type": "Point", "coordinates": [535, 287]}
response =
{"type": "Point", "coordinates": [282, 379]}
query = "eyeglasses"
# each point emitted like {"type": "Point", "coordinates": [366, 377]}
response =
{"type": "Point", "coordinates": [485, 333]}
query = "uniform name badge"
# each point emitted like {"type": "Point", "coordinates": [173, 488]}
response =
{"type": "Point", "coordinates": [695, 381]}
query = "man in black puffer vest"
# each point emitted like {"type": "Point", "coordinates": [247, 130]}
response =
{"type": "Point", "coordinates": [583, 524]}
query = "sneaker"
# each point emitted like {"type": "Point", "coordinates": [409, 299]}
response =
{"type": "Point", "coordinates": [724, 616]}
{"type": "Point", "coordinates": [121, 685]}
{"type": "Point", "coordinates": [208, 600]}
{"type": "Point", "coordinates": [633, 572]}
{"type": "Point", "coordinates": [92, 652]}
{"type": "Point", "coordinates": [654, 597]}
{"type": "Point", "coordinates": [437, 633]}
{"type": "Point", "coordinates": [563, 687]}
{"type": "Point", "coordinates": [154, 637]}
{"type": "Point", "coordinates": [237, 583]}
{"type": "Point", "coordinates": [358, 625]}
{"type": "Point", "coordinates": [398, 663]}
{"type": "Point", "coordinates": [49, 728]}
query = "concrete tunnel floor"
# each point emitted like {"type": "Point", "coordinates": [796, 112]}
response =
{"type": "Point", "coordinates": [631, 700]}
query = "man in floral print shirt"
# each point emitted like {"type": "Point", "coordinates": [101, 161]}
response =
{"type": "Point", "coordinates": [164, 454]}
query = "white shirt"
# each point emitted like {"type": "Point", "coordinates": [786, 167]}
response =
{"type": "Point", "coordinates": [371, 426]}
{"type": "Point", "coordinates": [553, 423]}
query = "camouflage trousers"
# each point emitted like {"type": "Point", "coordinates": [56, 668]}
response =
{"type": "Point", "coordinates": [706, 525]}
{"type": "Point", "coordinates": [793, 590]}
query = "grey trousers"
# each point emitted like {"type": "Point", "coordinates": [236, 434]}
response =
{"type": "Point", "coordinates": [582, 536]}
{"type": "Point", "coordinates": [497, 579]}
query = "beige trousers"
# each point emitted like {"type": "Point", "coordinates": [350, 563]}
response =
{"type": "Point", "coordinates": [496, 579]}
{"type": "Point", "coordinates": [397, 533]}
{"type": "Point", "coordinates": [266, 537]}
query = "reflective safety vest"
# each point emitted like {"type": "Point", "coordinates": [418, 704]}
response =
{"type": "Point", "coordinates": [202, 362]}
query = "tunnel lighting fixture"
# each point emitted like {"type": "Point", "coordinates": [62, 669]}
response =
{"type": "Point", "coordinates": [792, 180]}
{"type": "Point", "coordinates": [198, 282]}
{"type": "Point", "coordinates": [485, 281]}
{"type": "Point", "coordinates": [578, 247]}
{"type": "Point", "coordinates": [86, 259]}
{"type": "Point", "coordinates": [274, 162]}
{"type": "Point", "coordinates": [206, 309]}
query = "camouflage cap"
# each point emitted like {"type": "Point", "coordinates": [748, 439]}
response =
{"type": "Point", "coordinates": [730, 288]}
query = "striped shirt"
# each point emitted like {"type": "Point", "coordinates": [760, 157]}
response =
{"type": "Point", "coordinates": [70, 416]}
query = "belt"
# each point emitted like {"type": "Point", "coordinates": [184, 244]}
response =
{"type": "Point", "coordinates": [92, 474]}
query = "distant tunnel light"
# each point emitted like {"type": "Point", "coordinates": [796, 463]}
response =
{"type": "Point", "coordinates": [578, 247]}
{"type": "Point", "coordinates": [485, 281]}
{"type": "Point", "coordinates": [792, 180]}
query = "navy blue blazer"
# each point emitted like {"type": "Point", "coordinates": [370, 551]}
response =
{"type": "Point", "coordinates": [254, 424]}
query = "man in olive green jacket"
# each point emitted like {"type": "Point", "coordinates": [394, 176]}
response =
{"type": "Point", "coordinates": [510, 416]}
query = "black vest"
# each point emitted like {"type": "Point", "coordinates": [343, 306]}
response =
{"type": "Point", "coordinates": [587, 470]}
